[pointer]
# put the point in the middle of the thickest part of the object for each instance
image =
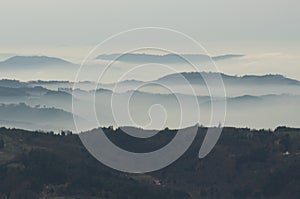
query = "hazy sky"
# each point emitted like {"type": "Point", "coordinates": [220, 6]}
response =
{"type": "Point", "coordinates": [69, 28]}
{"type": "Point", "coordinates": [75, 22]}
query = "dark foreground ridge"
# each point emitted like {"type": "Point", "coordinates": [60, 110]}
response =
{"type": "Point", "coordinates": [244, 164]}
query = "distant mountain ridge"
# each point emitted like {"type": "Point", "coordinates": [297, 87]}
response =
{"type": "Point", "coordinates": [199, 78]}
{"type": "Point", "coordinates": [12, 83]}
{"type": "Point", "coordinates": [175, 78]}
{"type": "Point", "coordinates": [167, 58]}
{"type": "Point", "coordinates": [21, 61]}
{"type": "Point", "coordinates": [33, 117]}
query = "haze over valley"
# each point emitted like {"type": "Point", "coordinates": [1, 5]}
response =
{"type": "Point", "coordinates": [255, 101]}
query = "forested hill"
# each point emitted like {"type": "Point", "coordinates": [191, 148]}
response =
{"type": "Point", "coordinates": [244, 164]}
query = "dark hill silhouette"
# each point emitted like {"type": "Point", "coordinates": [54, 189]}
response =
{"type": "Point", "coordinates": [245, 163]}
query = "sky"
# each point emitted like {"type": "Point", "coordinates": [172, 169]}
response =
{"type": "Point", "coordinates": [266, 31]}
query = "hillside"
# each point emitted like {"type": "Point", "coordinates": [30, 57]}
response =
{"type": "Point", "coordinates": [244, 164]}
